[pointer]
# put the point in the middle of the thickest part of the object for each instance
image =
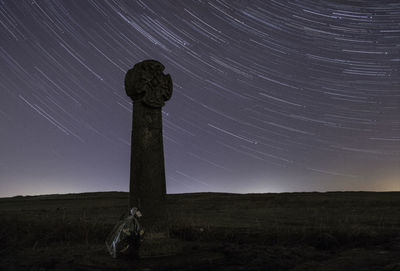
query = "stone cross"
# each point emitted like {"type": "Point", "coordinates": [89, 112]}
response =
{"type": "Point", "coordinates": [149, 88]}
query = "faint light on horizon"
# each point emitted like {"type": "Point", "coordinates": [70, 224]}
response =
{"type": "Point", "coordinates": [391, 183]}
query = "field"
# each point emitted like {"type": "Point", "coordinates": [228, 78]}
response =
{"type": "Point", "coordinates": [207, 231]}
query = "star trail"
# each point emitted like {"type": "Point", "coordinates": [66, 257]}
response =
{"type": "Point", "coordinates": [269, 96]}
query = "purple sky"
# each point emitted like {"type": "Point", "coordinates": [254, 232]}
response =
{"type": "Point", "coordinates": [269, 96]}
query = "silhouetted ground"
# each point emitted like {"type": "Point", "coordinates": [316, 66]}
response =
{"type": "Point", "coordinates": [207, 231]}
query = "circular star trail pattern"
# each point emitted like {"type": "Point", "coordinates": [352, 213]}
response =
{"type": "Point", "coordinates": [269, 96]}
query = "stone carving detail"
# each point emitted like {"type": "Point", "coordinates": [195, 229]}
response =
{"type": "Point", "coordinates": [147, 83]}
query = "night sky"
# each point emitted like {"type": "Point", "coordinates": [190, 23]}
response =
{"type": "Point", "coordinates": [269, 96]}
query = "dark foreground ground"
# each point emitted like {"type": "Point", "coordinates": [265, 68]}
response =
{"type": "Point", "coordinates": [207, 231]}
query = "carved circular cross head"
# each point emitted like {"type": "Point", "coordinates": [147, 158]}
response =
{"type": "Point", "coordinates": [147, 82]}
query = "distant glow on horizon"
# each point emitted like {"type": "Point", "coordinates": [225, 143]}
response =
{"type": "Point", "coordinates": [260, 186]}
{"type": "Point", "coordinates": [387, 184]}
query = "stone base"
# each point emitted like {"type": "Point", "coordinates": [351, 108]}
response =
{"type": "Point", "coordinates": [154, 214]}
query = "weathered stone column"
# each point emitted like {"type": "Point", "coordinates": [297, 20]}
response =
{"type": "Point", "coordinates": [149, 88]}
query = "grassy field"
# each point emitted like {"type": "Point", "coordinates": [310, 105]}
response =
{"type": "Point", "coordinates": [214, 231]}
